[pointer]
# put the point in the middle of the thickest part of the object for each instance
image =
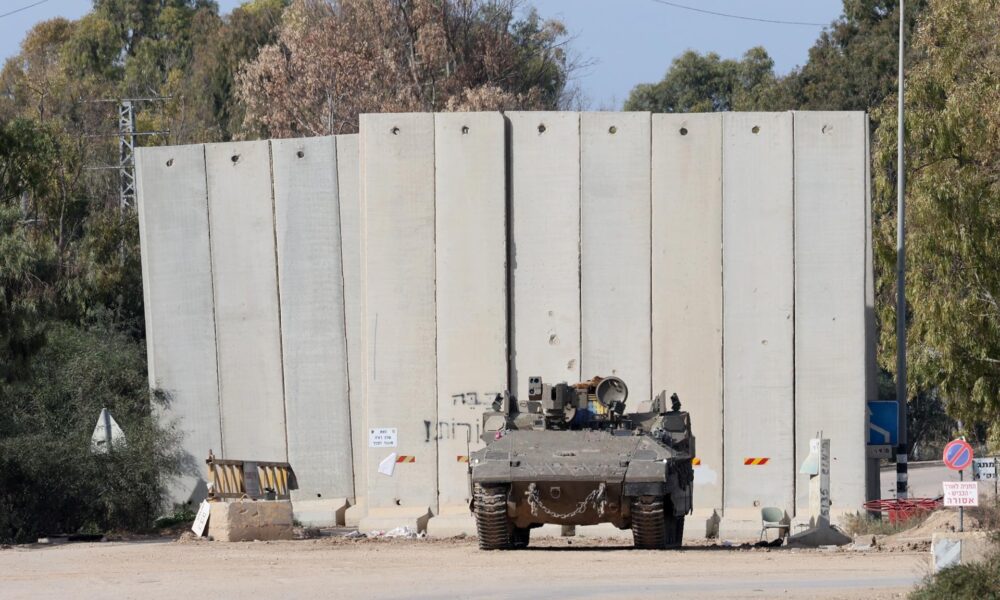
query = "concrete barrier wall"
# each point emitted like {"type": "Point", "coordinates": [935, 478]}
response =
{"type": "Point", "coordinates": [830, 203]}
{"type": "Point", "coordinates": [687, 282]}
{"type": "Point", "coordinates": [615, 249]}
{"type": "Point", "coordinates": [545, 247]}
{"type": "Point", "coordinates": [350, 239]}
{"type": "Point", "coordinates": [397, 151]}
{"type": "Point", "coordinates": [701, 272]}
{"type": "Point", "coordinates": [241, 214]}
{"type": "Point", "coordinates": [313, 336]}
{"type": "Point", "coordinates": [180, 315]}
{"type": "Point", "coordinates": [757, 267]}
{"type": "Point", "coordinates": [471, 252]}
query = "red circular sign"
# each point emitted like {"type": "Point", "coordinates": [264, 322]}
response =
{"type": "Point", "coordinates": [957, 455]}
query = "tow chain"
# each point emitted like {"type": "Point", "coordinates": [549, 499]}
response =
{"type": "Point", "coordinates": [597, 497]}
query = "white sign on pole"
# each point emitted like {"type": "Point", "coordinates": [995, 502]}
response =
{"type": "Point", "coordinates": [961, 493]}
{"type": "Point", "coordinates": [984, 469]}
{"type": "Point", "coordinates": [382, 437]}
{"type": "Point", "coordinates": [198, 527]}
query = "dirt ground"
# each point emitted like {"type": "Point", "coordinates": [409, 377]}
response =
{"type": "Point", "coordinates": [422, 568]}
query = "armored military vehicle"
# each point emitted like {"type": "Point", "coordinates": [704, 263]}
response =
{"type": "Point", "coordinates": [569, 454]}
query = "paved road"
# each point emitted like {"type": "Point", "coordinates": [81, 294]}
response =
{"type": "Point", "coordinates": [436, 569]}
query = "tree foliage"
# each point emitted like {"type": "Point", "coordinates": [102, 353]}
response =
{"type": "Point", "coordinates": [708, 83]}
{"type": "Point", "coordinates": [852, 66]}
{"type": "Point", "coordinates": [50, 481]}
{"type": "Point", "coordinates": [332, 62]}
{"type": "Point", "coordinates": [953, 210]}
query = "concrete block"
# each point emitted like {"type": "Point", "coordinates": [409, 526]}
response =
{"type": "Point", "coordinates": [471, 255]}
{"type": "Point", "coordinates": [248, 520]}
{"type": "Point", "coordinates": [348, 174]}
{"type": "Point", "coordinates": [180, 316]}
{"type": "Point", "coordinates": [386, 519]}
{"type": "Point", "coordinates": [830, 369]}
{"type": "Point", "coordinates": [954, 548]}
{"type": "Point", "coordinates": [246, 300]}
{"type": "Point", "coordinates": [397, 154]}
{"type": "Point", "coordinates": [313, 338]}
{"type": "Point", "coordinates": [328, 512]}
{"type": "Point", "coordinates": [757, 266]}
{"type": "Point", "coordinates": [687, 283]}
{"type": "Point", "coordinates": [615, 249]}
{"type": "Point", "coordinates": [545, 252]}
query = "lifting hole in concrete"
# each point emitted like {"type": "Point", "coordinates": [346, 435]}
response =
{"type": "Point", "coordinates": [756, 129]}
{"type": "Point", "coordinates": [612, 130]}
{"type": "Point", "coordinates": [684, 130]}
{"type": "Point", "coordinates": [235, 158]}
{"type": "Point", "coordinates": [398, 503]}
{"type": "Point", "coordinates": [394, 131]}
{"type": "Point", "coordinates": [465, 129]}
{"type": "Point", "coordinates": [827, 128]}
{"type": "Point", "coordinates": [170, 162]}
{"type": "Point", "coordinates": [541, 128]}
{"type": "Point", "coordinates": [300, 154]}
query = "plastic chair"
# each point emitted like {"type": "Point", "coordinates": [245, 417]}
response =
{"type": "Point", "coordinates": [773, 518]}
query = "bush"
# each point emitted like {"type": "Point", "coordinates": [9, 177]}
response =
{"type": "Point", "coordinates": [861, 523]}
{"type": "Point", "coordinates": [50, 481]}
{"type": "Point", "coordinates": [975, 580]}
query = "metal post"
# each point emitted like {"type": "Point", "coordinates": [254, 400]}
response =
{"type": "Point", "coordinates": [901, 393]}
{"type": "Point", "coordinates": [126, 154]}
{"type": "Point", "coordinates": [106, 417]}
{"type": "Point", "coordinates": [961, 509]}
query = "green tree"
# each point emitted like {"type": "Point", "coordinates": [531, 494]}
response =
{"type": "Point", "coordinates": [50, 481]}
{"type": "Point", "coordinates": [707, 83]}
{"type": "Point", "coordinates": [853, 66]}
{"type": "Point", "coordinates": [27, 260]}
{"type": "Point", "coordinates": [953, 211]}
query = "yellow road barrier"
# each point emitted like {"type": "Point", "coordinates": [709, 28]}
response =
{"type": "Point", "coordinates": [249, 479]}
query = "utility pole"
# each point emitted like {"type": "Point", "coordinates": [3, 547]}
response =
{"type": "Point", "coordinates": [127, 136]}
{"type": "Point", "coordinates": [901, 393]}
{"type": "Point", "coordinates": [126, 155]}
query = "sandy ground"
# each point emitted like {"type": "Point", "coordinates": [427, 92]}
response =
{"type": "Point", "coordinates": [421, 568]}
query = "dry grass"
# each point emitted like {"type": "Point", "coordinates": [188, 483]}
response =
{"type": "Point", "coordinates": [862, 523]}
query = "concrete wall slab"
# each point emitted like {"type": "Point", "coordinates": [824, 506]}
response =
{"type": "Point", "coordinates": [180, 315]}
{"type": "Point", "coordinates": [830, 205]}
{"type": "Point", "coordinates": [313, 337]}
{"type": "Point", "coordinates": [397, 154]}
{"type": "Point", "coordinates": [758, 313]}
{"type": "Point", "coordinates": [687, 282]}
{"type": "Point", "coordinates": [246, 300]}
{"type": "Point", "coordinates": [545, 252]}
{"type": "Point", "coordinates": [615, 249]}
{"type": "Point", "coordinates": [348, 173]}
{"type": "Point", "coordinates": [471, 259]}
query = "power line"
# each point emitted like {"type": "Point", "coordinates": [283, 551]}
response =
{"type": "Point", "coordinates": [7, 14]}
{"type": "Point", "coordinates": [741, 17]}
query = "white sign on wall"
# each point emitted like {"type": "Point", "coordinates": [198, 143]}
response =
{"type": "Point", "coordinates": [382, 437]}
{"type": "Point", "coordinates": [961, 493]}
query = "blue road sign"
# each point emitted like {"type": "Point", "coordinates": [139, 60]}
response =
{"type": "Point", "coordinates": [883, 422]}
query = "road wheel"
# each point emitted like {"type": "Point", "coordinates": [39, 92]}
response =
{"type": "Point", "coordinates": [495, 530]}
{"type": "Point", "coordinates": [649, 527]}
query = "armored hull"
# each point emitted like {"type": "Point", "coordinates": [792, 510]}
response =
{"type": "Point", "coordinates": [632, 471]}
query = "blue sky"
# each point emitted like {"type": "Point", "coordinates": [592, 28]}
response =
{"type": "Point", "coordinates": [629, 41]}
